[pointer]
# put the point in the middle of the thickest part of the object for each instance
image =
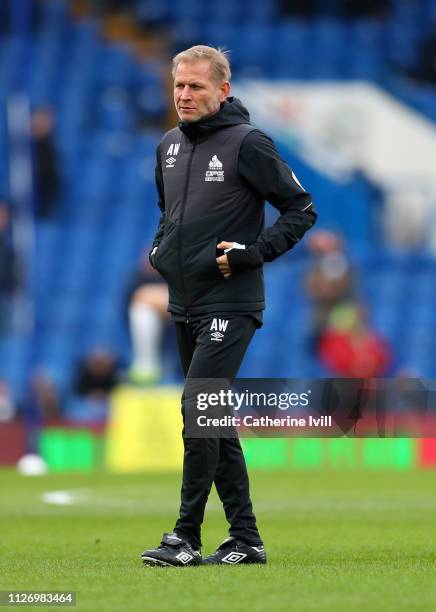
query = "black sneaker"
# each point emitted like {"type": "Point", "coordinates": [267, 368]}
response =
{"type": "Point", "coordinates": [233, 551]}
{"type": "Point", "coordinates": [172, 551]}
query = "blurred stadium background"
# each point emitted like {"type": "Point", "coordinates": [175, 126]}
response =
{"type": "Point", "coordinates": [348, 91]}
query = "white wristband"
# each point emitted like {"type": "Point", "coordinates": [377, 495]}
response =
{"type": "Point", "coordinates": [236, 245]}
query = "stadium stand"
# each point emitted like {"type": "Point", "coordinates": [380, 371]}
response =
{"type": "Point", "coordinates": [101, 92]}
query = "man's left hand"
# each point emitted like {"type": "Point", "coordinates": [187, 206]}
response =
{"type": "Point", "coordinates": [222, 261]}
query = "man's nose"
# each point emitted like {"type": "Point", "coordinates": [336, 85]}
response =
{"type": "Point", "coordinates": [186, 93]}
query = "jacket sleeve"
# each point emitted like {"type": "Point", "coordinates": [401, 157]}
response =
{"type": "Point", "coordinates": [261, 166]}
{"type": "Point", "coordinates": [161, 204]}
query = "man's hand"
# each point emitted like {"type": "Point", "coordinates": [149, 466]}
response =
{"type": "Point", "coordinates": [222, 261]}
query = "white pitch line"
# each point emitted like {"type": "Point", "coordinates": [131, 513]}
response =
{"type": "Point", "coordinates": [86, 498]}
{"type": "Point", "coordinates": [63, 498]}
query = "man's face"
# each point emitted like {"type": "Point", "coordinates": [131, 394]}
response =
{"type": "Point", "coordinates": [196, 94]}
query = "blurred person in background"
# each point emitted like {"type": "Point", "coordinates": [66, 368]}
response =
{"type": "Point", "coordinates": [365, 8]}
{"type": "Point", "coordinates": [7, 404]}
{"type": "Point", "coordinates": [47, 178]}
{"type": "Point", "coordinates": [7, 268]}
{"type": "Point", "coordinates": [213, 175]}
{"type": "Point", "coordinates": [408, 219]}
{"type": "Point", "coordinates": [350, 348]}
{"type": "Point", "coordinates": [427, 66]}
{"type": "Point", "coordinates": [96, 375]}
{"type": "Point", "coordinates": [112, 6]}
{"type": "Point", "coordinates": [41, 404]}
{"type": "Point", "coordinates": [347, 8]}
{"type": "Point", "coordinates": [43, 396]}
{"type": "Point", "coordinates": [33, 11]}
{"type": "Point", "coordinates": [329, 281]}
{"type": "Point", "coordinates": [147, 307]}
{"type": "Point", "coordinates": [298, 8]}
{"type": "Point", "coordinates": [4, 18]}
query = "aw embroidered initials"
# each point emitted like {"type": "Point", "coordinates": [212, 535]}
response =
{"type": "Point", "coordinates": [217, 328]}
{"type": "Point", "coordinates": [173, 150]}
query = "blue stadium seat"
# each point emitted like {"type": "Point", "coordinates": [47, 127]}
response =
{"type": "Point", "coordinates": [193, 10]}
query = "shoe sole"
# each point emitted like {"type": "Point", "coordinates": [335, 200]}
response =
{"type": "Point", "coordinates": [230, 564]}
{"type": "Point", "coordinates": [152, 562]}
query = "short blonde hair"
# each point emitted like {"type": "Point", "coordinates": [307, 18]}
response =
{"type": "Point", "coordinates": [218, 58]}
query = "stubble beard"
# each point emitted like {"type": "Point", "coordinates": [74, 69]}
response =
{"type": "Point", "coordinates": [212, 109]}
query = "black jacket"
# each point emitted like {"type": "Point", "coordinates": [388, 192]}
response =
{"type": "Point", "coordinates": [213, 177]}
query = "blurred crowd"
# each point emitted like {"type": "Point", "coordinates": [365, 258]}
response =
{"type": "Point", "coordinates": [342, 339]}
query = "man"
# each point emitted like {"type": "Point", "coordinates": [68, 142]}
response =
{"type": "Point", "coordinates": [8, 277]}
{"type": "Point", "coordinates": [47, 177]}
{"type": "Point", "coordinates": [214, 173]}
{"type": "Point", "coordinates": [147, 301]}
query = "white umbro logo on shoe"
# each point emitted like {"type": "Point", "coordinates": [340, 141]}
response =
{"type": "Point", "coordinates": [215, 172]}
{"type": "Point", "coordinates": [184, 557]}
{"type": "Point", "coordinates": [217, 328]}
{"type": "Point", "coordinates": [233, 558]}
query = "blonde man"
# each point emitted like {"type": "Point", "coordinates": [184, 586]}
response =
{"type": "Point", "coordinates": [214, 172]}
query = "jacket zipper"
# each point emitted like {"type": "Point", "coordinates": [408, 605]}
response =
{"type": "Point", "coordinates": [182, 215]}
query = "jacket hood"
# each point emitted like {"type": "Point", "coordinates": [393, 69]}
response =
{"type": "Point", "coordinates": [232, 112]}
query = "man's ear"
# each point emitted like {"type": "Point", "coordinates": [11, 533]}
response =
{"type": "Point", "coordinates": [224, 91]}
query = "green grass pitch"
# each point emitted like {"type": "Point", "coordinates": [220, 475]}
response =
{"type": "Point", "coordinates": [336, 540]}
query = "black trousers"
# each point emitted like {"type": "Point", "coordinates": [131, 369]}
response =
{"type": "Point", "coordinates": [217, 460]}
